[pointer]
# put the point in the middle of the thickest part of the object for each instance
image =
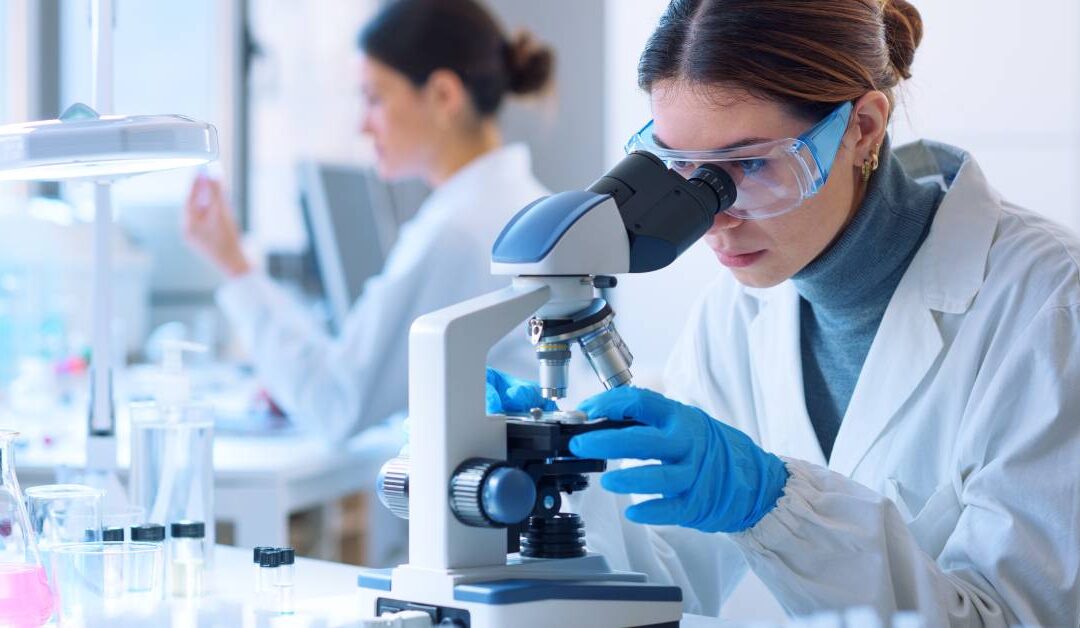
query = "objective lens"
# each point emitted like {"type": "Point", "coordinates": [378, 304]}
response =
{"type": "Point", "coordinates": [554, 360]}
{"type": "Point", "coordinates": [608, 355]}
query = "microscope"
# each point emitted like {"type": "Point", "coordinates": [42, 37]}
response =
{"type": "Point", "coordinates": [488, 544]}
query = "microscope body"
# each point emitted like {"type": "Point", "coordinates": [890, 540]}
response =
{"type": "Point", "coordinates": [471, 475]}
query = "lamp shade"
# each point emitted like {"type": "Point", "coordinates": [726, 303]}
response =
{"type": "Point", "coordinates": [83, 145]}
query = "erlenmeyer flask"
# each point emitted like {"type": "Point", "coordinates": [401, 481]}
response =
{"type": "Point", "coordinates": [25, 597]}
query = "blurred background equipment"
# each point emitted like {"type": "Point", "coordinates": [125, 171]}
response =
{"type": "Point", "coordinates": [351, 221]}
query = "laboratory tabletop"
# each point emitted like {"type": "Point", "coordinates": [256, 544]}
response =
{"type": "Point", "coordinates": [325, 594]}
{"type": "Point", "coordinates": [262, 473]}
{"type": "Point", "coordinates": [258, 481]}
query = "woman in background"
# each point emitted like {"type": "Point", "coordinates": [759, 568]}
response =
{"type": "Point", "coordinates": [433, 74]}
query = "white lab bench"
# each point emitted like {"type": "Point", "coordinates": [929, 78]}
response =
{"type": "Point", "coordinates": [259, 480]}
{"type": "Point", "coordinates": [325, 593]}
{"type": "Point", "coordinates": [260, 477]}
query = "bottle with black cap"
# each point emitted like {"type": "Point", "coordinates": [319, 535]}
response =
{"type": "Point", "coordinates": [113, 561]}
{"type": "Point", "coordinates": [187, 555]}
{"type": "Point", "coordinates": [256, 560]}
{"type": "Point", "coordinates": [285, 579]}
{"type": "Point", "coordinates": [269, 562]}
{"type": "Point", "coordinates": [154, 534]}
{"type": "Point", "coordinates": [148, 533]}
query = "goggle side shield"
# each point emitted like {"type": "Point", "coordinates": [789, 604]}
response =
{"type": "Point", "coordinates": [771, 178]}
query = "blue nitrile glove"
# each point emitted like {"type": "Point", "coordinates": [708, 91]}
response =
{"type": "Point", "coordinates": [506, 393]}
{"type": "Point", "coordinates": [712, 477]}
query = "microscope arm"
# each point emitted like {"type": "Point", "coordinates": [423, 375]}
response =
{"type": "Point", "coordinates": [447, 357]}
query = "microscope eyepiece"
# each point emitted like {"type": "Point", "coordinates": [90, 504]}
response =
{"type": "Point", "coordinates": [720, 182]}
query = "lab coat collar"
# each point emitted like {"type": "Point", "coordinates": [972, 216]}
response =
{"type": "Point", "coordinates": [507, 165]}
{"type": "Point", "coordinates": [952, 262]}
{"type": "Point", "coordinates": [945, 275]}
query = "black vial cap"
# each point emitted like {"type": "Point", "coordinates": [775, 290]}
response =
{"type": "Point", "coordinates": [188, 530]}
{"type": "Point", "coordinates": [270, 558]}
{"type": "Point", "coordinates": [288, 555]}
{"type": "Point", "coordinates": [257, 553]}
{"type": "Point", "coordinates": [111, 535]}
{"type": "Point", "coordinates": [151, 532]}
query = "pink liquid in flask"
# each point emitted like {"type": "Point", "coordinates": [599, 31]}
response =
{"type": "Point", "coordinates": [25, 597]}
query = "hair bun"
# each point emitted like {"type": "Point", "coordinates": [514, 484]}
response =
{"type": "Point", "coordinates": [903, 33]}
{"type": "Point", "coordinates": [529, 64]}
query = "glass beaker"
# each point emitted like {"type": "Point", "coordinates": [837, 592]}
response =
{"type": "Point", "coordinates": [64, 513]}
{"type": "Point", "coordinates": [25, 597]}
{"type": "Point", "coordinates": [96, 581]}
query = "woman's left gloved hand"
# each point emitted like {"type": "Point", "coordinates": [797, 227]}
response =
{"type": "Point", "coordinates": [506, 393]}
{"type": "Point", "coordinates": [711, 477]}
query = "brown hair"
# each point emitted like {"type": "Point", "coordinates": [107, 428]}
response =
{"type": "Point", "coordinates": [417, 37]}
{"type": "Point", "coordinates": [809, 55]}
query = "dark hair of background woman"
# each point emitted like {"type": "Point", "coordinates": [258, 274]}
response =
{"type": "Point", "coordinates": [807, 55]}
{"type": "Point", "coordinates": [417, 37]}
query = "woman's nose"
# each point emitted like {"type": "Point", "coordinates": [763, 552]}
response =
{"type": "Point", "coordinates": [366, 128]}
{"type": "Point", "coordinates": [725, 221]}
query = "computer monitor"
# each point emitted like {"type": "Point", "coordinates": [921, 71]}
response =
{"type": "Point", "coordinates": [351, 223]}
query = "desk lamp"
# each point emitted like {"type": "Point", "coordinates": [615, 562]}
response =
{"type": "Point", "coordinates": [87, 144]}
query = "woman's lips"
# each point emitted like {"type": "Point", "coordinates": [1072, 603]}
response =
{"type": "Point", "coordinates": [739, 260]}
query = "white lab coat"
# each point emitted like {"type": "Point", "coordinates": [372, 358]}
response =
{"type": "Point", "coordinates": [954, 484]}
{"type": "Point", "coordinates": [341, 385]}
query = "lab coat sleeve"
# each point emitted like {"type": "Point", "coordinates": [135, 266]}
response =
{"type": "Point", "coordinates": [1013, 555]}
{"type": "Point", "coordinates": [339, 385]}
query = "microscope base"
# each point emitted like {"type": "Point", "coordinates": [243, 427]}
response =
{"type": "Point", "coordinates": [518, 597]}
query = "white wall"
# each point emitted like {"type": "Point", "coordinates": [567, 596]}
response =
{"type": "Point", "coordinates": [1004, 83]}
{"type": "Point", "coordinates": [565, 128]}
{"type": "Point", "coordinates": [305, 104]}
{"type": "Point", "coordinates": [4, 54]}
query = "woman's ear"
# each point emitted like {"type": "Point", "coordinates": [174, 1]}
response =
{"type": "Point", "coordinates": [446, 95]}
{"type": "Point", "coordinates": [871, 115]}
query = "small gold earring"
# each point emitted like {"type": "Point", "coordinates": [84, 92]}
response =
{"type": "Point", "coordinates": [870, 165]}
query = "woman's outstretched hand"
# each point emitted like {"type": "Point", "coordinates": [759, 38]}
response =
{"type": "Point", "coordinates": [209, 227]}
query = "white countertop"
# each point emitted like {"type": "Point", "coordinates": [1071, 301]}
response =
{"type": "Point", "coordinates": [326, 596]}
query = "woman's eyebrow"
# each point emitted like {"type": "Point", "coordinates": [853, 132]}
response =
{"type": "Point", "coordinates": [739, 144]}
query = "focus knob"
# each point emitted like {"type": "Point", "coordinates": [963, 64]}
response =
{"type": "Point", "coordinates": [392, 486]}
{"type": "Point", "coordinates": [488, 493]}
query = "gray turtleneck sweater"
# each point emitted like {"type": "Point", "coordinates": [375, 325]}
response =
{"type": "Point", "coordinates": [846, 289]}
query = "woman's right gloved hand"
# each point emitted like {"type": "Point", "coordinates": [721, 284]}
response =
{"type": "Point", "coordinates": [506, 393]}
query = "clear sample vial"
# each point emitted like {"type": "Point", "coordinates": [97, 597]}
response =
{"type": "Point", "coordinates": [285, 579]}
{"type": "Point", "coordinates": [269, 563]}
{"type": "Point", "coordinates": [151, 533]}
{"type": "Point", "coordinates": [113, 561]}
{"type": "Point", "coordinates": [187, 556]}
{"type": "Point", "coordinates": [256, 558]}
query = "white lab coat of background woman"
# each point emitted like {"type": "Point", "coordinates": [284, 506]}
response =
{"type": "Point", "coordinates": [339, 385]}
{"type": "Point", "coordinates": [953, 485]}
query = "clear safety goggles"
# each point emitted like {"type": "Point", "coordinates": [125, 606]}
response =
{"type": "Point", "coordinates": [771, 178]}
